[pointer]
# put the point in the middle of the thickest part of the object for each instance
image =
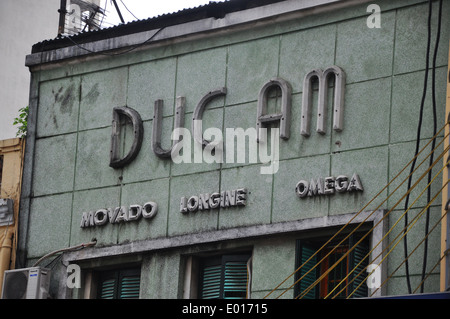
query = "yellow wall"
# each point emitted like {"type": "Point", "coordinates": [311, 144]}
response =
{"type": "Point", "coordinates": [12, 151]}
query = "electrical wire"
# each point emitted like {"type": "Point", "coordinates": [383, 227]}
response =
{"type": "Point", "coordinates": [129, 10]}
{"type": "Point", "coordinates": [340, 230]}
{"type": "Point", "coordinates": [352, 248]}
{"type": "Point", "coordinates": [433, 88]}
{"type": "Point", "coordinates": [132, 48]}
{"type": "Point", "coordinates": [348, 223]}
{"type": "Point", "coordinates": [397, 240]}
{"type": "Point", "coordinates": [410, 254]}
{"type": "Point", "coordinates": [93, 243]}
{"type": "Point", "coordinates": [412, 222]}
{"type": "Point", "coordinates": [419, 129]}
{"type": "Point", "coordinates": [429, 273]}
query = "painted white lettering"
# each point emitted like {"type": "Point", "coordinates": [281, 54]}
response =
{"type": "Point", "coordinates": [374, 20]}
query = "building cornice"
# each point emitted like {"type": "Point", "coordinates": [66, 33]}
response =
{"type": "Point", "coordinates": [110, 46]}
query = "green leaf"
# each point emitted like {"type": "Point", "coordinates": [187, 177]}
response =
{"type": "Point", "coordinates": [22, 120]}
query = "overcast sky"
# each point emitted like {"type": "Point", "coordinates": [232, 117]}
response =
{"type": "Point", "coordinates": [143, 9]}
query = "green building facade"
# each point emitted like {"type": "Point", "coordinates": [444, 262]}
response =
{"type": "Point", "coordinates": [156, 228]}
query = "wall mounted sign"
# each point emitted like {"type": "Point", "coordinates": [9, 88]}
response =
{"type": "Point", "coordinates": [207, 201]}
{"type": "Point", "coordinates": [283, 118]}
{"type": "Point", "coordinates": [328, 186]}
{"type": "Point", "coordinates": [102, 217]}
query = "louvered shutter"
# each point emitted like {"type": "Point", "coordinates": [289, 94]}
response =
{"type": "Point", "coordinates": [235, 278]}
{"type": "Point", "coordinates": [120, 284]}
{"type": "Point", "coordinates": [359, 274]}
{"type": "Point", "coordinates": [130, 282]}
{"type": "Point", "coordinates": [212, 276]}
{"type": "Point", "coordinates": [107, 289]}
{"type": "Point", "coordinates": [304, 252]}
{"type": "Point", "coordinates": [225, 277]}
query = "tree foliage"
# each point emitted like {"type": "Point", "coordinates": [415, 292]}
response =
{"type": "Point", "coordinates": [22, 122]}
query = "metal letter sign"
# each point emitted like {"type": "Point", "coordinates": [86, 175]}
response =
{"type": "Point", "coordinates": [338, 112]}
{"type": "Point", "coordinates": [157, 126]}
{"type": "Point", "coordinates": [138, 129]}
{"type": "Point", "coordinates": [328, 186]}
{"type": "Point", "coordinates": [198, 114]}
{"type": "Point", "coordinates": [284, 116]}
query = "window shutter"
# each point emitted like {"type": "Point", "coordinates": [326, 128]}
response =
{"type": "Point", "coordinates": [211, 282]}
{"type": "Point", "coordinates": [235, 281]}
{"type": "Point", "coordinates": [304, 252]}
{"type": "Point", "coordinates": [129, 286]}
{"type": "Point", "coordinates": [225, 277]}
{"type": "Point", "coordinates": [359, 274]}
{"type": "Point", "coordinates": [107, 289]}
{"type": "Point", "coordinates": [119, 284]}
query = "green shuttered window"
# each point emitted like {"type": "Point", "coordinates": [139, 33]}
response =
{"type": "Point", "coordinates": [120, 284]}
{"type": "Point", "coordinates": [304, 252]}
{"type": "Point", "coordinates": [224, 277]}
{"type": "Point", "coordinates": [308, 274]}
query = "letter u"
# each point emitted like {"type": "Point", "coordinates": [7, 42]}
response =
{"type": "Point", "coordinates": [180, 109]}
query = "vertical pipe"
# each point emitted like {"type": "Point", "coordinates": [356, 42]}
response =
{"type": "Point", "coordinates": [5, 255]}
{"type": "Point", "coordinates": [62, 17]}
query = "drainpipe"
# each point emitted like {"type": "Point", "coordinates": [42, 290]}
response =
{"type": "Point", "coordinates": [5, 254]}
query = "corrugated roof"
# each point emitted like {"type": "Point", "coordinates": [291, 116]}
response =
{"type": "Point", "coordinates": [214, 9]}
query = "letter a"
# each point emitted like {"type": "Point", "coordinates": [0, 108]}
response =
{"type": "Point", "coordinates": [284, 117]}
{"type": "Point", "coordinates": [374, 20]}
{"type": "Point", "coordinates": [74, 279]}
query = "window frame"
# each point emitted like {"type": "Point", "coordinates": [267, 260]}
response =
{"type": "Point", "coordinates": [117, 275]}
{"type": "Point", "coordinates": [221, 260]}
{"type": "Point", "coordinates": [314, 244]}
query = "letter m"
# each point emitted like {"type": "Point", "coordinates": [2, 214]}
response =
{"type": "Point", "coordinates": [338, 109]}
{"type": "Point", "coordinates": [87, 220]}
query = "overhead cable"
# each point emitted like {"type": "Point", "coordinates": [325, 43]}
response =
{"type": "Point", "coordinates": [348, 223]}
